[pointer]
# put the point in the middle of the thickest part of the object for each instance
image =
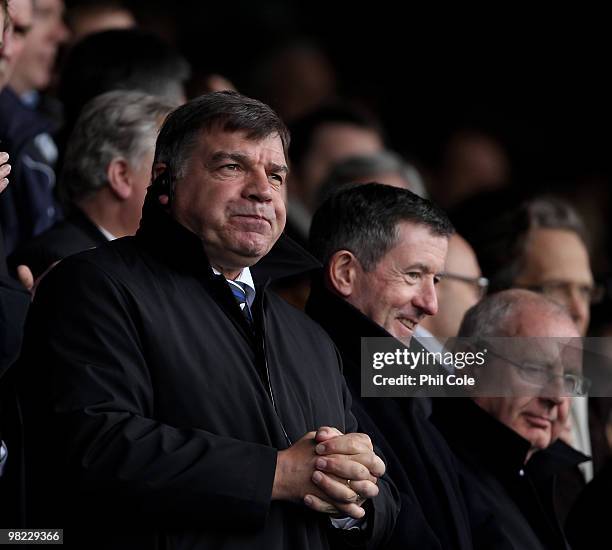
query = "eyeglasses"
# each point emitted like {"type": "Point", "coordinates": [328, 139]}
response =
{"type": "Point", "coordinates": [573, 384]}
{"type": "Point", "coordinates": [481, 284]}
{"type": "Point", "coordinates": [562, 291]}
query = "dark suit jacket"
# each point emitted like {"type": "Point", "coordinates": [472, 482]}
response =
{"type": "Point", "coordinates": [418, 459]}
{"type": "Point", "coordinates": [74, 234]}
{"type": "Point", "coordinates": [511, 503]}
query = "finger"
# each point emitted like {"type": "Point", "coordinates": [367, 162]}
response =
{"type": "Point", "coordinates": [333, 487]}
{"type": "Point", "coordinates": [5, 170]}
{"type": "Point", "coordinates": [326, 432]}
{"type": "Point", "coordinates": [344, 467]}
{"type": "Point", "coordinates": [372, 462]}
{"type": "Point", "coordinates": [319, 505]}
{"type": "Point", "coordinates": [3, 183]}
{"type": "Point", "coordinates": [365, 489]}
{"type": "Point", "coordinates": [25, 276]}
{"type": "Point", "coordinates": [3, 157]}
{"type": "Point", "coordinates": [348, 444]}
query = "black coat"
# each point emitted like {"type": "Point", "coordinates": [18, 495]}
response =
{"type": "Point", "coordinates": [511, 504]}
{"type": "Point", "coordinates": [157, 414]}
{"type": "Point", "coordinates": [74, 234]}
{"type": "Point", "coordinates": [418, 459]}
{"type": "Point", "coordinates": [14, 303]}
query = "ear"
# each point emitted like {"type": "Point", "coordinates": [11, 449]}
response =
{"type": "Point", "coordinates": [119, 177]}
{"type": "Point", "coordinates": [342, 272]}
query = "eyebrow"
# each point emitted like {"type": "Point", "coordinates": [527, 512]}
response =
{"type": "Point", "coordinates": [245, 159]}
{"type": "Point", "coordinates": [419, 266]}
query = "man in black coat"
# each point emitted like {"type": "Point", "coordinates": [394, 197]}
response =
{"type": "Point", "coordinates": [506, 434]}
{"type": "Point", "coordinates": [107, 168]}
{"type": "Point", "coordinates": [382, 249]}
{"type": "Point", "coordinates": [171, 402]}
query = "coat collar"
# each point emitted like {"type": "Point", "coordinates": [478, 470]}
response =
{"type": "Point", "coordinates": [482, 438]}
{"type": "Point", "coordinates": [163, 235]}
{"type": "Point", "coordinates": [343, 322]}
{"type": "Point", "coordinates": [167, 239]}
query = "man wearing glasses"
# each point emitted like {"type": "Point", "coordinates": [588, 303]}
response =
{"type": "Point", "coordinates": [542, 246]}
{"type": "Point", "coordinates": [505, 436]}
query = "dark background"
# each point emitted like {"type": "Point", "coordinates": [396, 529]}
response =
{"type": "Point", "coordinates": [539, 82]}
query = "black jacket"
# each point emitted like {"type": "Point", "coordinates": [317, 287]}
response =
{"type": "Point", "coordinates": [510, 503]}
{"type": "Point", "coordinates": [418, 459]}
{"type": "Point", "coordinates": [74, 234]}
{"type": "Point", "coordinates": [157, 414]}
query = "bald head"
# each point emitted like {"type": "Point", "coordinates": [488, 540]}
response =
{"type": "Point", "coordinates": [517, 312]}
{"type": "Point", "coordinates": [535, 409]}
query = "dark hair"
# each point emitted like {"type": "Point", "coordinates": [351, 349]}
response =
{"type": "Point", "coordinates": [364, 220]}
{"type": "Point", "coordinates": [120, 59]}
{"type": "Point", "coordinates": [229, 111]}
{"type": "Point", "coordinates": [304, 129]}
{"type": "Point", "coordinates": [501, 245]}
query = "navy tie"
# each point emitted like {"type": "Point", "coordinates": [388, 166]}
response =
{"type": "Point", "coordinates": [240, 294]}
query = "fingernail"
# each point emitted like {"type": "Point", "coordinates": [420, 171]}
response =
{"type": "Point", "coordinates": [308, 500]}
{"type": "Point", "coordinates": [317, 476]}
{"type": "Point", "coordinates": [320, 448]}
{"type": "Point", "coordinates": [321, 463]}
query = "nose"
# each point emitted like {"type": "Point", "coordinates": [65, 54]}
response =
{"type": "Point", "coordinates": [258, 186]}
{"type": "Point", "coordinates": [426, 298]}
{"type": "Point", "coordinates": [554, 391]}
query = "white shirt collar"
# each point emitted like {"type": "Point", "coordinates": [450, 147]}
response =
{"type": "Point", "coordinates": [109, 236]}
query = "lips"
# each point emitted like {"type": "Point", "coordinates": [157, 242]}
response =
{"type": "Point", "coordinates": [253, 217]}
{"type": "Point", "coordinates": [408, 323]}
{"type": "Point", "coordinates": [538, 421]}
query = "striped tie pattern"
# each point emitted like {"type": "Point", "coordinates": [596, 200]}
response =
{"type": "Point", "coordinates": [240, 294]}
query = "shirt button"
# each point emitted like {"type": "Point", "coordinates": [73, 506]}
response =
{"type": "Point", "coordinates": [521, 472]}
{"type": "Point", "coordinates": [51, 211]}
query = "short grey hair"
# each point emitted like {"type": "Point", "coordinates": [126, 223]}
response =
{"type": "Point", "coordinates": [115, 124]}
{"type": "Point", "coordinates": [366, 167]}
{"type": "Point", "coordinates": [496, 314]}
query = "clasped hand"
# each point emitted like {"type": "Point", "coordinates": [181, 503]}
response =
{"type": "Point", "coordinates": [330, 472]}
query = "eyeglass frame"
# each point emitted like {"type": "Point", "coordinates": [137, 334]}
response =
{"type": "Point", "coordinates": [577, 378]}
{"type": "Point", "coordinates": [482, 283]}
{"type": "Point", "coordinates": [597, 291]}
